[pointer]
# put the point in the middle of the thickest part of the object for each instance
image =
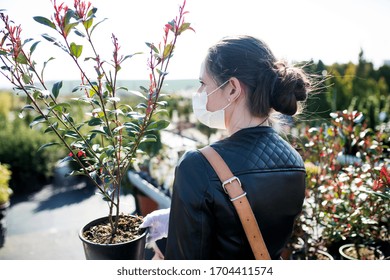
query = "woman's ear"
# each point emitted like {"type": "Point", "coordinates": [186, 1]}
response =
{"type": "Point", "coordinates": [235, 88]}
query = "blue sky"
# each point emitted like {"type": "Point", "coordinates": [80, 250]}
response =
{"type": "Point", "coordinates": [332, 30]}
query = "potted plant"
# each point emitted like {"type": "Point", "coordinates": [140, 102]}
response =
{"type": "Point", "coordinates": [105, 140]}
{"type": "Point", "coordinates": [351, 197]}
{"type": "Point", "coordinates": [347, 190]}
{"type": "Point", "coordinates": [5, 193]}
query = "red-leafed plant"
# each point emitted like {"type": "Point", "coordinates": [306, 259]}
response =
{"type": "Point", "coordinates": [348, 190]}
{"type": "Point", "coordinates": [105, 141]}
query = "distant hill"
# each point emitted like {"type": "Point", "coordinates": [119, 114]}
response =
{"type": "Point", "coordinates": [182, 87]}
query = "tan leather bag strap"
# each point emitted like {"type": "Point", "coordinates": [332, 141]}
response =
{"type": "Point", "coordinates": [232, 186]}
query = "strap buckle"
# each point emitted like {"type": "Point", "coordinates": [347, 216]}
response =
{"type": "Point", "coordinates": [229, 181]}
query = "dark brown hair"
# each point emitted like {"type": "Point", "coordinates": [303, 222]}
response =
{"type": "Point", "coordinates": [270, 84]}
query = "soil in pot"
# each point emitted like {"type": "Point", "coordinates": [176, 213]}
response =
{"type": "Point", "coordinates": [322, 255]}
{"type": "Point", "coordinates": [127, 244]}
{"type": "Point", "coordinates": [349, 252]}
{"type": "Point", "coordinates": [128, 229]}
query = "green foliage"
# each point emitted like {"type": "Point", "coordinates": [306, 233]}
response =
{"type": "Point", "coordinates": [359, 87]}
{"type": "Point", "coordinates": [348, 183]}
{"type": "Point", "coordinates": [18, 148]}
{"type": "Point", "coordinates": [5, 190]}
{"type": "Point", "coordinates": [6, 105]}
{"type": "Point", "coordinates": [108, 136]}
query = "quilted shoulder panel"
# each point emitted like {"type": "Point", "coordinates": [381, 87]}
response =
{"type": "Point", "coordinates": [258, 148]}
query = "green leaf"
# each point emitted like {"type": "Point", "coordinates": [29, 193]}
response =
{"type": "Point", "coordinates": [95, 122]}
{"type": "Point", "coordinates": [60, 107]}
{"type": "Point", "coordinates": [158, 125]}
{"type": "Point", "coordinates": [69, 27]}
{"type": "Point", "coordinates": [122, 88]}
{"type": "Point", "coordinates": [44, 21]}
{"type": "Point", "coordinates": [162, 103]}
{"type": "Point", "coordinates": [93, 28]}
{"type": "Point", "coordinates": [107, 130]}
{"type": "Point", "coordinates": [26, 41]}
{"type": "Point", "coordinates": [79, 33]}
{"type": "Point", "coordinates": [56, 89]}
{"type": "Point", "coordinates": [88, 23]}
{"type": "Point", "coordinates": [152, 46]}
{"type": "Point", "coordinates": [132, 126]}
{"type": "Point", "coordinates": [71, 134]}
{"type": "Point", "coordinates": [167, 50]}
{"type": "Point", "coordinates": [89, 20]}
{"type": "Point", "coordinates": [150, 138]}
{"type": "Point", "coordinates": [49, 38]}
{"type": "Point", "coordinates": [51, 127]}
{"type": "Point", "coordinates": [109, 87]}
{"type": "Point", "coordinates": [131, 55]}
{"type": "Point", "coordinates": [144, 89]}
{"type": "Point", "coordinates": [184, 27]}
{"type": "Point", "coordinates": [37, 120]}
{"type": "Point", "coordinates": [110, 151]}
{"type": "Point", "coordinates": [136, 116]}
{"type": "Point", "coordinates": [44, 65]}
{"type": "Point", "coordinates": [117, 129]}
{"type": "Point", "coordinates": [37, 93]}
{"type": "Point", "coordinates": [162, 112]}
{"type": "Point", "coordinates": [161, 73]}
{"type": "Point", "coordinates": [137, 93]}
{"type": "Point", "coordinates": [69, 15]}
{"type": "Point", "coordinates": [29, 107]}
{"type": "Point", "coordinates": [47, 145]}
{"type": "Point", "coordinates": [26, 78]}
{"type": "Point", "coordinates": [76, 50]}
{"type": "Point", "coordinates": [99, 131]}
{"type": "Point", "coordinates": [95, 147]}
{"type": "Point", "coordinates": [141, 105]}
{"type": "Point", "coordinates": [33, 47]}
{"type": "Point", "coordinates": [22, 59]}
{"type": "Point", "coordinates": [92, 12]}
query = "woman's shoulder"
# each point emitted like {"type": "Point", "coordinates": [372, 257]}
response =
{"type": "Point", "coordinates": [192, 176]}
{"type": "Point", "coordinates": [189, 155]}
{"type": "Point", "coordinates": [191, 160]}
{"type": "Point", "coordinates": [256, 148]}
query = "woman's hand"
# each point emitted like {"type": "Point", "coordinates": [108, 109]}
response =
{"type": "Point", "coordinates": [157, 222]}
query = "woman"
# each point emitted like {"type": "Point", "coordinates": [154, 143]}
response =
{"type": "Point", "coordinates": [242, 84]}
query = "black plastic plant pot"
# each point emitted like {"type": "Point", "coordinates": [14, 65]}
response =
{"type": "Point", "coordinates": [131, 250]}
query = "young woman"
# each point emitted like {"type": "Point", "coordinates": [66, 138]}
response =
{"type": "Point", "coordinates": [242, 85]}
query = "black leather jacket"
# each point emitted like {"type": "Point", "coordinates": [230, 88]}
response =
{"type": "Point", "coordinates": [203, 222]}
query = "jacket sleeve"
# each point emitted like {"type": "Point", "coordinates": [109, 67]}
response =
{"type": "Point", "coordinates": [191, 220]}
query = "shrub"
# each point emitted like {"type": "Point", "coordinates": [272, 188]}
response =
{"type": "Point", "coordinates": [348, 184]}
{"type": "Point", "coordinates": [6, 104]}
{"type": "Point", "coordinates": [18, 148]}
{"type": "Point", "coordinates": [5, 190]}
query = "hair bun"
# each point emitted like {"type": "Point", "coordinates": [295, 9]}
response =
{"type": "Point", "coordinates": [291, 86]}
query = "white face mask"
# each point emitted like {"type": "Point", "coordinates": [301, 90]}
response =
{"type": "Point", "coordinates": [214, 119]}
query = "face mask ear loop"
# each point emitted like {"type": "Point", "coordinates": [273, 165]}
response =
{"type": "Point", "coordinates": [217, 88]}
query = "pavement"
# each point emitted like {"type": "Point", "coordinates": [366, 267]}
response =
{"type": "Point", "coordinates": [45, 225]}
